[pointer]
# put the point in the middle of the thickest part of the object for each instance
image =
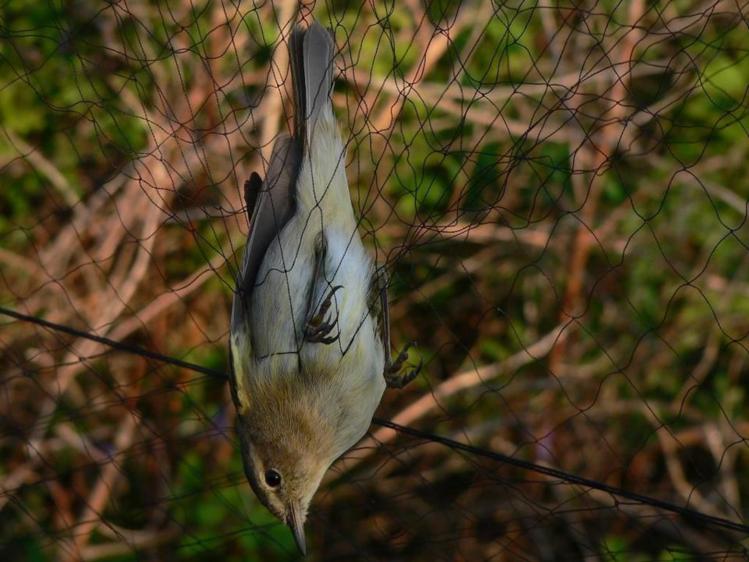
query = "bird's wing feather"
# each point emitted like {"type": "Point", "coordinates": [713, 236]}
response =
{"type": "Point", "coordinates": [273, 206]}
{"type": "Point", "coordinates": [296, 58]}
{"type": "Point", "coordinates": [311, 55]}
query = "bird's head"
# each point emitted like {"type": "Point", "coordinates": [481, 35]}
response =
{"type": "Point", "coordinates": [285, 451]}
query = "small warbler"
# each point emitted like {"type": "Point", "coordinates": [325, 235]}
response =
{"type": "Point", "coordinates": [310, 340]}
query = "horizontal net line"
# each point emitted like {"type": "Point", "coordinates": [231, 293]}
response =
{"type": "Point", "coordinates": [568, 477]}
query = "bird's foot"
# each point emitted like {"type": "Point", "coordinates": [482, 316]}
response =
{"type": "Point", "coordinates": [394, 378]}
{"type": "Point", "coordinates": [318, 326]}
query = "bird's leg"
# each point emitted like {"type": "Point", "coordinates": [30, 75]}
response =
{"type": "Point", "coordinates": [318, 326]}
{"type": "Point", "coordinates": [394, 378]}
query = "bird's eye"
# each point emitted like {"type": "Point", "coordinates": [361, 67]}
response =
{"type": "Point", "coordinates": [272, 478]}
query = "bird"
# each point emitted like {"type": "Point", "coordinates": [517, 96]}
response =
{"type": "Point", "coordinates": [309, 350]}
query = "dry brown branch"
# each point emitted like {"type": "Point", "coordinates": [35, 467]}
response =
{"type": "Point", "coordinates": [467, 267]}
{"type": "Point", "coordinates": [670, 446]}
{"type": "Point", "coordinates": [92, 515]}
{"type": "Point", "coordinates": [21, 263]}
{"type": "Point", "coordinates": [599, 155]}
{"type": "Point", "coordinates": [46, 168]}
{"type": "Point", "coordinates": [79, 442]}
{"type": "Point", "coordinates": [133, 202]}
{"type": "Point", "coordinates": [464, 380]}
{"type": "Point", "coordinates": [180, 291]}
{"type": "Point", "coordinates": [127, 540]}
{"type": "Point", "coordinates": [56, 255]}
{"type": "Point", "coordinates": [434, 48]}
{"type": "Point", "coordinates": [697, 16]}
{"type": "Point", "coordinates": [688, 492]}
{"type": "Point", "coordinates": [725, 457]}
{"type": "Point", "coordinates": [483, 114]}
{"type": "Point", "coordinates": [11, 483]}
{"type": "Point", "coordinates": [655, 520]}
{"type": "Point", "coordinates": [272, 105]}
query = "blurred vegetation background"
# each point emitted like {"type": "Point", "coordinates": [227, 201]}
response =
{"type": "Point", "coordinates": [559, 192]}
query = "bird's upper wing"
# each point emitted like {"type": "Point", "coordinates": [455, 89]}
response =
{"type": "Point", "coordinates": [311, 55]}
{"type": "Point", "coordinates": [272, 205]}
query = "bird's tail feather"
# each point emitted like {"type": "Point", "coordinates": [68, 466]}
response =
{"type": "Point", "coordinates": [312, 52]}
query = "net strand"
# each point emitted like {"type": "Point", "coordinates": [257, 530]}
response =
{"type": "Point", "coordinates": [567, 477]}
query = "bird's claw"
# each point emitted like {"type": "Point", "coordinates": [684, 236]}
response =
{"type": "Point", "coordinates": [393, 376]}
{"type": "Point", "coordinates": [318, 327]}
{"type": "Point", "coordinates": [320, 333]}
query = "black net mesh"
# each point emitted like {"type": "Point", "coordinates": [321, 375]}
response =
{"type": "Point", "coordinates": [558, 192]}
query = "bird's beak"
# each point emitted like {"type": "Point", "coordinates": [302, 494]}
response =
{"type": "Point", "coordinates": [295, 521]}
